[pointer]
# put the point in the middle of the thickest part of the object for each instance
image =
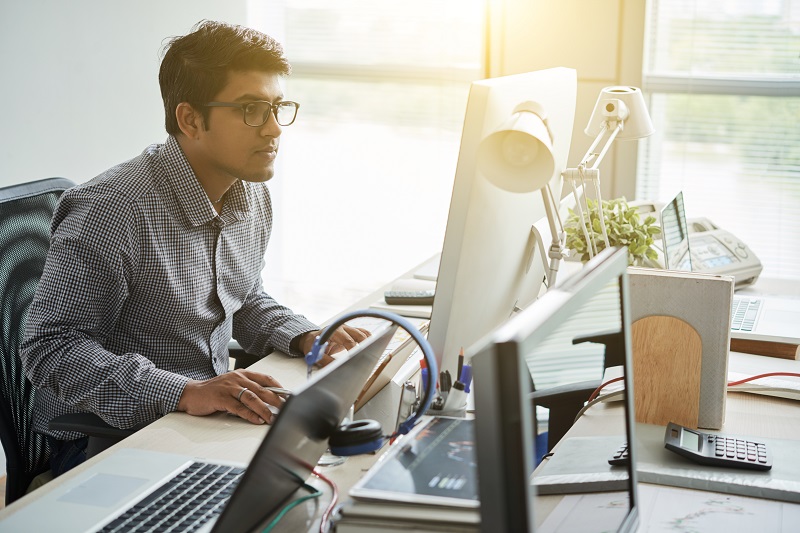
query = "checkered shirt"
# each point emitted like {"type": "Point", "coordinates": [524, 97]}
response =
{"type": "Point", "coordinates": [143, 287]}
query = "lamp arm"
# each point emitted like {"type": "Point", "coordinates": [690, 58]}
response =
{"type": "Point", "coordinates": [592, 159]}
{"type": "Point", "coordinates": [590, 153]}
{"type": "Point", "coordinates": [589, 166]}
{"type": "Point", "coordinates": [600, 209]}
{"type": "Point", "coordinates": [610, 140]}
{"type": "Point", "coordinates": [594, 167]}
{"type": "Point", "coordinates": [556, 252]}
{"type": "Point", "coordinates": [579, 175]}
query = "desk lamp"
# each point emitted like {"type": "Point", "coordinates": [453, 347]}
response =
{"type": "Point", "coordinates": [518, 157]}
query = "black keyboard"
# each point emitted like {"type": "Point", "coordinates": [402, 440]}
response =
{"type": "Point", "coordinates": [621, 457]}
{"type": "Point", "coordinates": [184, 503]}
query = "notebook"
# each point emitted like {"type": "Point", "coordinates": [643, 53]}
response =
{"type": "Point", "coordinates": [762, 317]}
{"type": "Point", "coordinates": [102, 497]}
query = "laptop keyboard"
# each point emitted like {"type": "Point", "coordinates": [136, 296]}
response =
{"type": "Point", "coordinates": [743, 313]}
{"type": "Point", "coordinates": [184, 503]}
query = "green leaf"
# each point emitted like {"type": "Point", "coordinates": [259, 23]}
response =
{"type": "Point", "coordinates": [624, 227]}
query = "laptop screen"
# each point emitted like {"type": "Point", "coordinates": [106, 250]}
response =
{"type": "Point", "coordinates": [299, 436]}
{"type": "Point", "coordinates": [536, 374]}
{"type": "Point", "coordinates": [675, 235]}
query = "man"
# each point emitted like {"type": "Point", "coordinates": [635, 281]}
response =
{"type": "Point", "coordinates": [156, 263]}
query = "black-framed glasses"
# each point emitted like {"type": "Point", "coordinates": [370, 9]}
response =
{"type": "Point", "coordinates": [257, 113]}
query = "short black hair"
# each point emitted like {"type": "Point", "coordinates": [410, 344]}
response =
{"type": "Point", "coordinates": [195, 66]}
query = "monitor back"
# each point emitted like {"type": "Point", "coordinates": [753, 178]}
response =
{"type": "Point", "coordinates": [545, 346]}
{"type": "Point", "coordinates": [299, 436]}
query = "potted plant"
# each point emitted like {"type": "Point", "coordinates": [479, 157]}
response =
{"type": "Point", "coordinates": [624, 227]}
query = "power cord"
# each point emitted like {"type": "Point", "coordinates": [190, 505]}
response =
{"type": "Point", "coordinates": [599, 399]}
{"type": "Point", "coordinates": [598, 389]}
{"type": "Point", "coordinates": [767, 375]}
{"type": "Point", "coordinates": [594, 398]}
{"type": "Point", "coordinates": [324, 525]}
{"type": "Point", "coordinates": [315, 493]}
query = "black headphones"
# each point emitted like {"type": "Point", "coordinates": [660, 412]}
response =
{"type": "Point", "coordinates": [364, 436]}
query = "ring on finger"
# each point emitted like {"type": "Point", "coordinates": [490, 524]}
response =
{"type": "Point", "coordinates": [239, 398]}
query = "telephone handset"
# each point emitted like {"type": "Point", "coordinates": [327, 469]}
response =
{"type": "Point", "coordinates": [718, 251]}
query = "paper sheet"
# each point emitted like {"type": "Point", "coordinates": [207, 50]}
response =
{"type": "Point", "coordinates": [668, 509]}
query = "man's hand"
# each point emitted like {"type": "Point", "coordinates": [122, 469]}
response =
{"type": "Point", "coordinates": [344, 338]}
{"type": "Point", "coordinates": [241, 393]}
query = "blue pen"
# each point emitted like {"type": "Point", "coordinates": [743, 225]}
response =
{"type": "Point", "coordinates": [466, 376]}
{"type": "Point", "coordinates": [460, 364]}
{"type": "Point", "coordinates": [424, 374]}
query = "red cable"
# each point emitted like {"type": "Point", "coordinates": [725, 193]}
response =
{"type": "Point", "coordinates": [731, 384]}
{"type": "Point", "coordinates": [769, 374]}
{"type": "Point", "coordinates": [323, 524]}
{"type": "Point", "coordinates": [598, 389]}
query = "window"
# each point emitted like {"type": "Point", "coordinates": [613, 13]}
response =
{"type": "Point", "coordinates": [364, 176]}
{"type": "Point", "coordinates": [723, 80]}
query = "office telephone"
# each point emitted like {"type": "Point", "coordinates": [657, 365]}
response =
{"type": "Point", "coordinates": [715, 250]}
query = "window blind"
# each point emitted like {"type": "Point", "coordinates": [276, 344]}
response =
{"type": "Point", "coordinates": [364, 176]}
{"type": "Point", "coordinates": [723, 82]}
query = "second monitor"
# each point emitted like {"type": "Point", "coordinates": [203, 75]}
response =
{"type": "Point", "coordinates": [489, 266]}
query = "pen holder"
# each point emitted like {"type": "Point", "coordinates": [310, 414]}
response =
{"type": "Point", "coordinates": [452, 403]}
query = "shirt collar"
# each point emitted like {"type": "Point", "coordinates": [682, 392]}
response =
{"type": "Point", "coordinates": [191, 196]}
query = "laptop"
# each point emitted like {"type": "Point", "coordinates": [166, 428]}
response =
{"type": "Point", "coordinates": [757, 317]}
{"type": "Point", "coordinates": [216, 496]}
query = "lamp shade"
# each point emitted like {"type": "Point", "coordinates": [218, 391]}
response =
{"type": "Point", "coordinates": [633, 113]}
{"type": "Point", "coordinates": [518, 156]}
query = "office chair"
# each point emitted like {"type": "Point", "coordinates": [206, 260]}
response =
{"type": "Point", "coordinates": [25, 213]}
{"type": "Point", "coordinates": [564, 402]}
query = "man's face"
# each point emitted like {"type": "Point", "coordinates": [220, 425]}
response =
{"type": "Point", "coordinates": [229, 147]}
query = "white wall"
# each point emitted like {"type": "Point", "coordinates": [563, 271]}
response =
{"type": "Point", "coordinates": [601, 39]}
{"type": "Point", "coordinates": [79, 81]}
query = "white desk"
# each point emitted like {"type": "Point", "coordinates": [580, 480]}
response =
{"type": "Point", "coordinates": [223, 437]}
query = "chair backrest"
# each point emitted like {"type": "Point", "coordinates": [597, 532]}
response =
{"type": "Point", "coordinates": [25, 214]}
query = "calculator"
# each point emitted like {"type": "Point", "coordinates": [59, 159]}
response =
{"type": "Point", "coordinates": [717, 449]}
{"type": "Point", "coordinates": [621, 457]}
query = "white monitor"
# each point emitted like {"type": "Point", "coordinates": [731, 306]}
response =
{"type": "Point", "coordinates": [489, 265]}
